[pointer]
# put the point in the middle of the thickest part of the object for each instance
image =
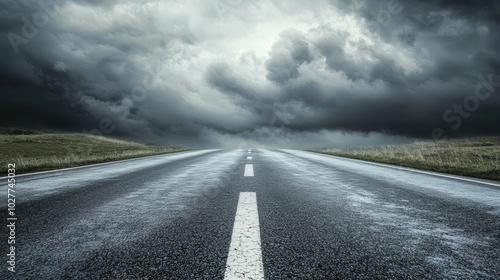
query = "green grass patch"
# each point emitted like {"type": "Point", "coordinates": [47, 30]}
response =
{"type": "Point", "coordinates": [37, 151]}
{"type": "Point", "coordinates": [474, 157]}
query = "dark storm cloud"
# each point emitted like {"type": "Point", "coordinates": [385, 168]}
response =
{"type": "Point", "coordinates": [260, 103]}
{"type": "Point", "coordinates": [287, 54]}
{"type": "Point", "coordinates": [219, 75]}
{"type": "Point", "coordinates": [459, 38]}
{"type": "Point", "coordinates": [77, 87]}
{"type": "Point", "coordinates": [208, 73]}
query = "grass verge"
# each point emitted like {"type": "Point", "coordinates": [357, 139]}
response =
{"type": "Point", "coordinates": [474, 157]}
{"type": "Point", "coordinates": [39, 151]}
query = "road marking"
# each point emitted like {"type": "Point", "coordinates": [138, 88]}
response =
{"type": "Point", "coordinates": [249, 157]}
{"type": "Point", "coordinates": [249, 152]}
{"type": "Point", "coordinates": [416, 170]}
{"type": "Point", "coordinates": [103, 163]}
{"type": "Point", "coordinates": [248, 170]}
{"type": "Point", "coordinates": [244, 260]}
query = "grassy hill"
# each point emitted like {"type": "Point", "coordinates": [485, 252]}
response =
{"type": "Point", "coordinates": [475, 157]}
{"type": "Point", "coordinates": [35, 151]}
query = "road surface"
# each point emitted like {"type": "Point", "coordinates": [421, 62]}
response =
{"type": "Point", "coordinates": [252, 214]}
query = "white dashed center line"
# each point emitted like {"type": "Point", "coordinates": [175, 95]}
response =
{"type": "Point", "coordinates": [244, 260]}
{"type": "Point", "coordinates": [248, 170]}
{"type": "Point", "coordinates": [249, 157]}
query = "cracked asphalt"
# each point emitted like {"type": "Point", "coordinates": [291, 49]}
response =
{"type": "Point", "coordinates": [321, 217]}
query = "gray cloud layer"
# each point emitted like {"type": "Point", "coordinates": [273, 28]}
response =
{"type": "Point", "coordinates": [233, 73]}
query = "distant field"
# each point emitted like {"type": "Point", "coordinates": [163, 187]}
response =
{"type": "Point", "coordinates": [475, 157]}
{"type": "Point", "coordinates": [34, 151]}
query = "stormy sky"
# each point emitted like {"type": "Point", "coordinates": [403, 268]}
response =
{"type": "Point", "coordinates": [236, 73]}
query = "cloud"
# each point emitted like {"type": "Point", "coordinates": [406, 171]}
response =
{"type": "Point", "coordinates": [286, 56]}
{"type": "Point", "coordinates": [212, 73]}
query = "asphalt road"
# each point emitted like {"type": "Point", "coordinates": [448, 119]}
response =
{"type": "Point", "coordinates": [273, 214]}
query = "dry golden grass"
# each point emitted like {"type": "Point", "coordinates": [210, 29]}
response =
{"type": "Point", "coordinates": [475, 157]}
{"type": "Point", "coordinates": [44, 151]}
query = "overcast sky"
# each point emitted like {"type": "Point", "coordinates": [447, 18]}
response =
{"type": "Point", "coordinates": [236, 73]}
